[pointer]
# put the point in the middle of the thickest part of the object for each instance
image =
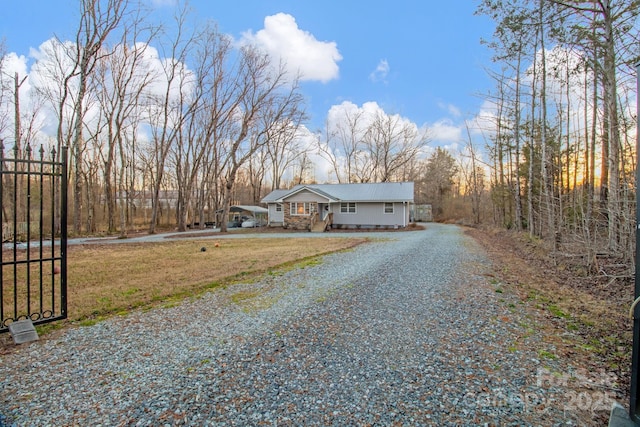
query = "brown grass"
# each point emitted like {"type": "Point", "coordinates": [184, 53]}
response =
{"type": "Point", "coordinates": [584, 318]}
{"type": "Point", "coordinates": [114, 278]}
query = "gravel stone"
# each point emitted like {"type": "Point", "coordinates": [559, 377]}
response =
{"type": "Point", "coordinates": [405, 330]}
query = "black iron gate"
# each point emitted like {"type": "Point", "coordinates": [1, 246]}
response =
{"type": "Point", "coordinates": [33, 197]}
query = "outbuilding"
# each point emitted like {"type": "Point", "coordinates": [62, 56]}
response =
{"type": "Point", "coordinates": [246, 216]}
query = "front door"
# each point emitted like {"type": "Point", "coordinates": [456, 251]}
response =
{"type": "Point", "coordinates": [323, 208]}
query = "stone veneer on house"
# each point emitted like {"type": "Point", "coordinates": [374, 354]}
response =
{"type": "Point", "coordinates": [297, 222]}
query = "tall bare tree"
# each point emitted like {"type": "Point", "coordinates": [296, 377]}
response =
{"type": "Point", "coordinates": [122, 80]}
{"type": "Point", "coordinates": [4, 89]}
{"type": "Point", "coordinates": [267, 99]}
{"type": "Point", "coordinates": [474, 177]}
{"type": "Point", "coordinates": [196, 136]}
{"type": "Point", "coordinates": [392, 143]}
{"type": "Point", "coordinates": [283, 149]}
{"type": "Point", "coordinates": [576, 119]}
{"type": "Point", "coordinates": [98, 19]}
{"type": "Point", "coordinates": [512, 37]}
{"type": "Point", "coordinates": [343, 143]}
{"type": "Point", "coordinates": [166, 110]}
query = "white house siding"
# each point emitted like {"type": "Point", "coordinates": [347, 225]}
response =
{"type": "Point", "coordinates": [372, 214]}
{"type": "Point", "coordinates": [306, 196]}
{"type": "Point", "coordinates": [275, 217]}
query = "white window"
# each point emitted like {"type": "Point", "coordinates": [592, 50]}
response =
{"type": "Point", "coordinates": [298, 208]}
{"type": "Point", "coordinates": [348, 207]}
{"type": "Point", "coordinates": [278, 207]}
{"type": "Point", "coordinates": [388, 207]}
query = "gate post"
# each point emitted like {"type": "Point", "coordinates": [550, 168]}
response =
{"type": "Point", "coordinates": [634, 405]}
{"type": "Point", "coordinates": [63, 230]}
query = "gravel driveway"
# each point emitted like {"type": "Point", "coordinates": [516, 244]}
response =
{"type": "Point", "coordinates": [407, 330]}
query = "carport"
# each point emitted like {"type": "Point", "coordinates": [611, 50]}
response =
{"type": "Point", "coordinates": [241, 213]}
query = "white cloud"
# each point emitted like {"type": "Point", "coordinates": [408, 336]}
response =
{"type": "Point", "coordinates": [450, 108]}
{"type": "Point", "coordinates": [12, 63]}
{"type": "Point", "coordinates": [453, 110]}
{"type": "Point", "coordinates": [163, 3]}
{"type": "Point", "coordinates": [345, 114]}
{"type": "Point", "coordinates": [51, 63]}
{"type": "Point", "coordinates": [381, 72]}
{"type": "Point", "coordinates": [309, 143]}
{"type": "Point", "coordinates": [299, 50]}
{"type": "Point", "coordinates": [445, 131]}
{"type": "Point", "coordinates": [348, 122]}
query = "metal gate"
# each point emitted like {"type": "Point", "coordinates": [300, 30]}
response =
{"type": "Point", "coordinates": [33, 197]}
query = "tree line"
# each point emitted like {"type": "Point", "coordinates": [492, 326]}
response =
{"type": "Point", "coordinates": [562, 146]}
{"type": "Point", "coordinates": [178, 111]}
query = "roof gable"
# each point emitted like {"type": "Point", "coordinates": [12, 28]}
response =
{"type": "Point", "coordinates": [309, 188]}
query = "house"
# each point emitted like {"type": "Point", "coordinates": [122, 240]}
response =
{"type": "Point", "coordinates": [320, 206]}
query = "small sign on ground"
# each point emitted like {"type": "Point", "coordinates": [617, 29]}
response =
{"type": "Point", "coordinates": [23, 331]}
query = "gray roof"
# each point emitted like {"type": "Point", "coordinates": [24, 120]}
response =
{"type": "Point", "coordinates": [274, 196]}
{"type": "Point", "coordinates": [367, 192]}
{"type": "Point", "coordinates": [246, 208]}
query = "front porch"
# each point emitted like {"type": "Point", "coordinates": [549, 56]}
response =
{"type": "Point", "coordinates": [310, 216]}
{"type": "Point", "coordinates": [321, 225]}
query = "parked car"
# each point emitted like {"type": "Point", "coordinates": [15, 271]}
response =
{"type": "Point", "coordinates": [252, 222]}
{"type": "Point", "coordinates": [237, 222]}
{"type": "Point", "coordinates": [234, 224]}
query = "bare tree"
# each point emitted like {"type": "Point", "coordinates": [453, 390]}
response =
{"type": "Point", "coordinates": [4, 89]}
{"type": "Point", "coordinates": [23, 131]}
{"type": "Point", "coordinates": [474, 178]}
{"type": "Point", "coordinates": [201, 117]}
{"type": "Point", "coordinates": [256, 172]}
{"type": "Point", "coordinates": [546, 159]}
{"type": "Point", "coordinates": [283, 150]}
{"type": "Point", "coordinates": [17, 83]}
{"type": "Point", "coordinates": [512, 38]}
{"type": "Point", "coordinates": [603, 31]}
{"type": "Point", "coordinates": [166, 111]}
{"type": "Point", "coordinates": [391, 143]}
{"type": "Point", "coordinates": [576, 119]}
{"type": "Point", "coordinates": [342, 145]}
{"type": "Point", "coordinates": [267, 99]}
{"type": "Point", "coordinates": [302, 170]}
{"type": "Point", "coordinates": [121, 81]}
{"type": "Point", "coordinates": [98, 19]}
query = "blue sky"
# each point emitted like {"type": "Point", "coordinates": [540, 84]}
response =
{"type": "Point", "coordinates": [420, 59]}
